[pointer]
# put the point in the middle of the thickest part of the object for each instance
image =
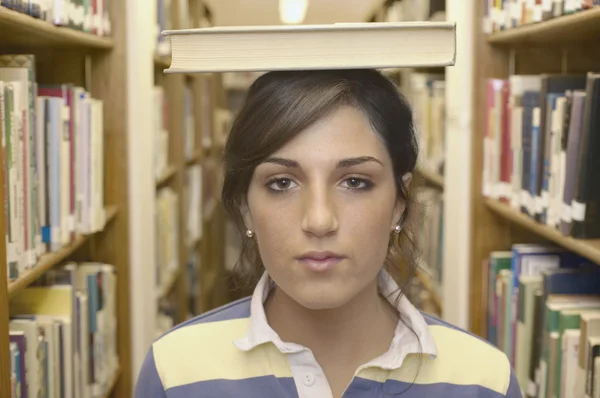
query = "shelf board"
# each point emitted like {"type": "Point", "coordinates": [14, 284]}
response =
{"type": "Point", "coordinates": [49, 260]}
{"type": "Point", "coordinates": [113, 383]}
{"type": "Point", "coordinates": [196, 156]}
{"type": "Point", "coordinates": [429, 285]}
{"type": "Point", "coordinates": [589, 249]}
{"type": "Point", "coordinates": [166, 175]}
{"type": "Point", "coordinates": [169, 284]}
{"type": "Point", "coordinates": [567, 28]}
{"type": "Point", "coordinates": [23, 30]}
{"type": "Point", "coordinates": [432, 177]}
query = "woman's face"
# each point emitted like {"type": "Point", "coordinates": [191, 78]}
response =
{"type": "Point", "coordinates": [322, 209]}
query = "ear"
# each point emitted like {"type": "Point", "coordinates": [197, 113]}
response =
{"type": "Point", "coordinates": [245, 212]}
{"type": "Point", "coordinates": [400, 206]}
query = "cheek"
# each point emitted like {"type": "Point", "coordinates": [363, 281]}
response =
{"type": "Point", "coordinates": [368, 225]}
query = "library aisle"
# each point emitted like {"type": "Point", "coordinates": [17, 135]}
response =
{"type": "Point", "coordinates": [111, 179]}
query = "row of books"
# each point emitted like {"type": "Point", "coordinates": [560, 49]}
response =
{"type": "Point", "coordinates": [53, 163]}
{"type": "Point", "coordinates": [426, 94]}
{"type": "Point", "coordinates": [164, 21]}
{"type": "Point", "coordinates": [544, 313]}
{"type": "Point", "coordinates": [91, 16]}
{"type": "Point", "coordinates": [413, 10]}
{"type": "Point", "coordinates": [193, 202]}
{"type": "Point", "coordinates": [167, 236]}
{"type": "Point", "coordinates": [189, 123]}
{"type": "Point", "coordinates": [194, 288]}
{"type": "Point", "coordinates": [507, 14]}
{"type": "Point", "coordinates": [431, 233]}
{"type": "Point", "coordinates": [160, 131]}
{"type": "Point", "coordinates": [63, 333]}
{"type": "Point", "coordinates": [541, 149]}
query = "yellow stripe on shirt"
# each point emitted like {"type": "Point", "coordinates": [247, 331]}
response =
{"type": "Point", "coordinates": [459, 361]}
{"type": "Point", "coordinates": [206, 351]}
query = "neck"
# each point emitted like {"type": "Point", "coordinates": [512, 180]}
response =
{"type": "Point", "coordinates": [368, 317]}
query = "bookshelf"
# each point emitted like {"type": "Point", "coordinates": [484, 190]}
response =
{"type": "Point", "coordinates": [563, 29]}
{"type": "Point", "coordinates": [560, 45]}
{"type": "Point", "coordinates": [194, 148]}
{"type": "Point", "coordinates": [586, 248]}
{"type": "Point", "coordinates": [22, 30]}
{"type": "Point", "coordinates": [431, 177]}
{"type": "Point", "coordinates": [424, 89]}
{"type": "Point", "coordinates": [66, 55]}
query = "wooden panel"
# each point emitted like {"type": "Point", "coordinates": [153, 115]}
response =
{"type": "Point", "coordinates": [487, 233]}
{"type": "Point", "coordinates": [109, 82]}
{"type": "Point", "coordinates": [26, 32]}
{"type": "Point", "coordinates": [5, 382]}
{"type": "Point", "coordinates": [568, 28]}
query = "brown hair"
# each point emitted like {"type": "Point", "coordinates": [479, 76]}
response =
{"type": "Point", "coordinates": [280, 105]}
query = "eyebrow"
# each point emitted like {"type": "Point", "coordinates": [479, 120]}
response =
{"type": "Point", "coordinates": [342, 164]}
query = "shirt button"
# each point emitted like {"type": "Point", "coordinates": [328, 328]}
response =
{"type": "Point", "coordinates": [309, 379]}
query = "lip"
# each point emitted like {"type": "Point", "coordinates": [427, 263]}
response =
{"type": "Point", "coordinates": [320, 261]}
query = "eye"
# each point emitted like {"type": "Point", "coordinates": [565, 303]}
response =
{"type": "Point", "coordinates": [281, 184]}
{"type": "Point", "coordinates": [357, 183]}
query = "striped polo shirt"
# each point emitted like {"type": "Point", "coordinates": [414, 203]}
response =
{"type": "Point", "coordinates": [233, 352]}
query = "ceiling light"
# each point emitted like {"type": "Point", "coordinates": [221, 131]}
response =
{"type": "Point", "coordinates": [292, 11]}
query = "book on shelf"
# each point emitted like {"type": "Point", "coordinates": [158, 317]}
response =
{"type": "Point", "coordinates": [63, 333]}
{"type": "Point", "coordinates": [193, 281]}
{"type": "Point", "coordinates": [161, 133]}
{"type": "Point", "coordinates": [415, 10]}
{"type": "Point", "coordinates": [426, 94]}
{"type": "Point", "coordinates": [189, 124]}
{"type": "Point", "coordinates": [193, 204]}
{"type": "Point", "coordinates": [53, 163]}
{"type": "Point", "coordinates": [541, 149]}
{"type": "Point", "coordinates": [332, 46]}
{"type": "Point", "coordinates": [163, 22]}
{"type": "Point", "coordinates": [430, 237]}
{"type": "Point", "coordinates": [508, 14]}
{"type": "Point", "coordinates": [206, 112]}
{"type": "Point", "coordinates": [544, 312]}
{"type": "Point", "coordinates": [167, 237]}
{"type": "Point", "coordinates": [91, 16]}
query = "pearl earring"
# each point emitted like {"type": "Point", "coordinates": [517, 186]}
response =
{"type": "Point", "coordinates": [249, 233]}
{"type": "Point", "coordinates": [397, 229]}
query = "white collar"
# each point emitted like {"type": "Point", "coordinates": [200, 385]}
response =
{"type": "Point", "coordinates": [404, 341]}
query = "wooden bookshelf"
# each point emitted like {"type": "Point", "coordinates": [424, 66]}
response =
{"type": "Point", "coordinates": [587, 248]}
{"type": "Point", "coordinates": [431, 177]}
{"type": "Point", "coordinates": [113, 383]}
{"type": "Point", "coordinates": [196, 158]}
{"type": "Point", "coordinates": [430, 286]}
{"type": "Point", "coordinates": [98, 64]}
{"type": "Point", "coordinates": [580, 26]}
{"type": "Point", "coordinates": [25, 31]}
{"type": "Point", "coordinates": [559, 45]}
{"type": "Point", "coordinates": [168, 173]}
{"type": "Point", "coordinates": [51, 260]}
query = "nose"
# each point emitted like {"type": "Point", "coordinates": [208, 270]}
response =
{"type": "Point", "coordinates": [319, 218]}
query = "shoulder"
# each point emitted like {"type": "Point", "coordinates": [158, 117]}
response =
{"type": "Point", "coordinates": [192, 345]}
{"type": "Point", "coordinates": [465, 359]}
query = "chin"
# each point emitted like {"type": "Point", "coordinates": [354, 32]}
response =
{"type": "Point", "coordinates": [323, 299]}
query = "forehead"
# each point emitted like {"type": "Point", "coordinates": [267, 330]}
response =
{"type": "Point", "coordinates": [344, 133]}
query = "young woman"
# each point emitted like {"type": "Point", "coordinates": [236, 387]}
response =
{"type": "Point", "coordinates": [317, 173]}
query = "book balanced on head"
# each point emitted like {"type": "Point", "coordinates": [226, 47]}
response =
{"type": "Point", "coordinates": [334, 46]}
